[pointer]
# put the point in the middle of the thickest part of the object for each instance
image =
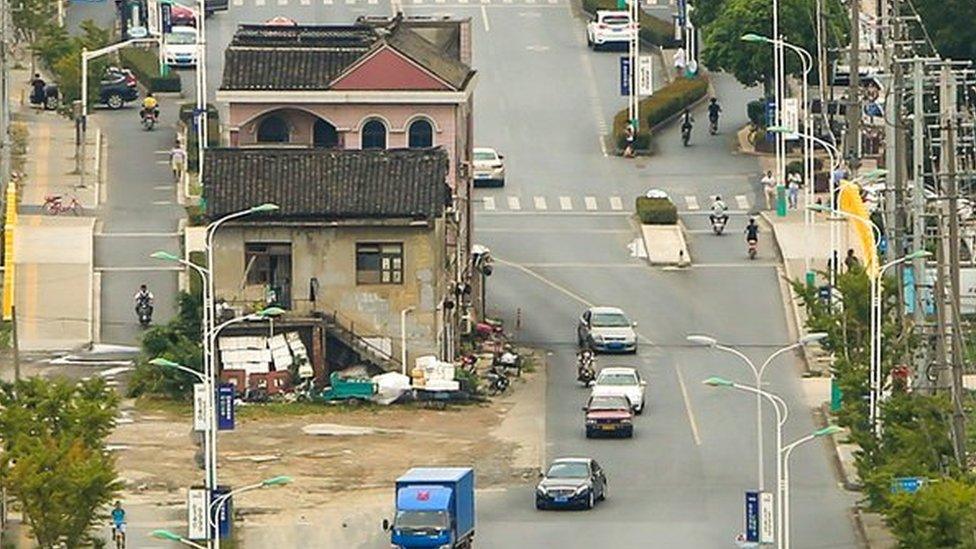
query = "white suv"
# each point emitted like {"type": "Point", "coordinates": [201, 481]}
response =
{"type": "Point", "coordinates": [621, 381]}
{"type": "Point", "coordinates": [610, 27]}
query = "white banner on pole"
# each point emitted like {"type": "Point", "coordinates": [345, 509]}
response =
{"type": "Point", "coordinates": [766, 522]}
{"type": "Point", "coordinates": [152, 18]}
{"type": "Point", "coordinates": [645, 75]}
{"type": "Point", "coordinates": [201, 419]}
{"type": "Point", "coordinates": [197, 502]}
{"type": "Point", "coordinates": [791, 117]}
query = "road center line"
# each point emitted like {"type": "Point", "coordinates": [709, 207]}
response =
{"type": "Point", "coordinates": [545, 281]}
{"type": "Point", "coordinates": [688, 411]}
{"type": "Point", "coordinates": [484, 17]}
{"type": "Point", "coordinates": [554, 231]}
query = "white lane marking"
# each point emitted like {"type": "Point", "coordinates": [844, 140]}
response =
{"type": "Point", "coordinates": [304, 2]}
{"type": "Point", "coordinates": [507, 1]}
{"type": "Point", "coordinates": [489, 203]}
{"type": "Point", "coordinates": [545, 281]}
{"type": "Point", "coordinates": [282, 2]}
{"type": "Point", "coordinates": [585, 265]}
{"type": "Point", "coordinates": [637, 248]}
{"type": "Point", "coordinates": [350, 2]}
{"type": "Point", "coordinates": [136, 235]}
{"type": "Point", "coordinates": [484, 15]}
{"type": "Point", "coordinates": [327, 2]}
{"type": "Point", "coordinates": [540, 203]}
{"type": "Point", "coordinates": [742, 201]}
{"type": "Point", "coordinates": [616, 203]}
{"type": "Point", "coordinates": [258, 2]}
{"type": "Point", "coordinates": [692, 202]}
{"type": "Point", "coordinates": [565, 203]}
{"type": "Point", "coordinates": [561, 230]}
{"type": "Point", "coordinates": [513, 203]}
{"type": "Point", "coordinates": [238, 2]}
{"type": "Point", "coordinates": [590, 202]}
{"type": "Point", "coordinates": [688, 410]}
{"type": "Point", "coordinates": [111, 372]}
{"type": "Point", "coordinates": [137, 269]}
{"type": "Point", "coordinates": [162, 202]}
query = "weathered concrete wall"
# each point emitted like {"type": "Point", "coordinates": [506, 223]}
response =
{"type": "Point", "coordinates": [328, 254]}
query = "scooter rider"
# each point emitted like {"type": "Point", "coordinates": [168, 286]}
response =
{"type": "Point", "coordinates": [144, 298]}
{"type": "Point", "coordinates": [584, 365]}
{"type": "Point", "coordinates": [713, 111]}
{"type": "Point", "coordinates": [686, 121]}
{"type": "Point", "coordinates": [752, 231]}
{"type": "Point", "coordinates": [718, 210]}
{"type": "Point", "coordinates": [150, 105]}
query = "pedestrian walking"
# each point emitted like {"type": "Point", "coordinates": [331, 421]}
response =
{"type": "Point", "coordinates": [851, 261]}
{"type": "Point", "coordinates": [769, 189]}
{"type": "Point", "coordinates": [630, 135]}
{"type": "Point", "coordinates": [679, 61]}
{"type": "Point", "coordinates": [177, 161]}
{"type": "Point", "coordinates": [793, 190]}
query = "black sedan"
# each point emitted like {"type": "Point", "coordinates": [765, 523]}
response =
{"type": "Point", "coordinates": [571, 482]}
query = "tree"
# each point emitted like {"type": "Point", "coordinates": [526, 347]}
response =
{"type": "Point", "coordinates": [180, 341]}
{"type": "Point", "coordinates": [942, 514]}
{"type": "Point", "coordinates": [33, 18]}
{"type": "Point", "coordinates": [54, 460]}
{"type": "Point", "coordinates": [725, 21]}
{"type": "Point", "coordinates": [950, 26]}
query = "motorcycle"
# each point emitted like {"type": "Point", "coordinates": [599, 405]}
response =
{"type": "Point", "coordinates": [718, 224]}
{"type": "Point", "coordinates": [585, 373]}
{"type": "Point", "coordinates": [507, 360]}
{"type": "Point", "coordinates": [497, 380]}
{"type": "Point", "coordinates": [48, 97]}
{"type": "Point", "coordinates": [148, 120]}
{"type": "Point", "coordinates": [144, 312]}
{"type": "Point", "coordinates": [753, 249]}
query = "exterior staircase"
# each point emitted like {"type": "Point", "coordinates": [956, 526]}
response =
{"type": "Point", "coordinates": [360, 350]}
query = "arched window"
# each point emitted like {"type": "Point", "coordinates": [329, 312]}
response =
{"type": "Point", "coordinates": [420, 135]}
{"type": "Point", "coordinates": [273, 129]}
{"type": "Point", "coordinates": [374, 135]}
{"type": "Point", "coordinates": [324, 134]}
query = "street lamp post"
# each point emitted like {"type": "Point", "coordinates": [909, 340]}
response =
{"type": "Point", "coordinates": [217, 505]}
{"type": "Point", "coordinates": [172, 536]}
{"type": "Point", "coordinates": [785, 457]}
{"type": "Point", "coordinates": [782, 413]}
{"type": "Point", "coordinates": [403, 339]}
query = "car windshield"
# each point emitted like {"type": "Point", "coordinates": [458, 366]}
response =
{"type": "Point", "coordinates": [421, 520]}
{"type": "Point", "coordinates": [616, 20]}
{"type": "Point", "coordinates": [484, 155]}
{"type": "Point", "coordinates": [181, 38]}
{"type": "Point", "coordinates": [575, 469]}
{"type": "Point", "coordinates": [609, 403]}
{"type": "Point", "coordinates": [610, 320]}
{"type": "Point", "coordinates": [617, 379]}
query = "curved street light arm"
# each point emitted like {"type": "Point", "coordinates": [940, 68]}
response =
{"type": "Point", "coordinates": [741, 355]}
{"type": "Point", "coordinates": [779, 405]}
{"type": "Point", "coordinates": [776, 354]}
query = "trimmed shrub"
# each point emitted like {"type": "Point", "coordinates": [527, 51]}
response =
{"type": "Point", "coordinates": [661, 105]}
{"type": "Point", "coordinates": [756, 111]}
{"type": "Point", "coordinates": [652, 29]}
{"type": "Point", "coordinates": [144, 63]}
{"type": "Point", "coordinates": [213, 132]}
{"type": "Point", "coordinates": [656, 211]}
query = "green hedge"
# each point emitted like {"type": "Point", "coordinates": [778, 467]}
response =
{"type": "Point", "coordinates": [213, 132]}
{"type": "Point", "coordinates": [652, 29]}
{"type": "Point", "coordinates": [661, 105]}
{"type": "Point", "coordinates": [144, 63]}
{"type": "Point", "coordinates": [656, 211]}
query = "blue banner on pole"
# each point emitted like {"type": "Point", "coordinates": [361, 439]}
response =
{"type": "Point", "coordinates": [752, 516]}
{"type": "Point", "coordinates": [770, 119]}
{"type": "Point", "coordinates": [625, 76]}
{"type": "Point", "coordinates": [907, 485]}
{"type": "Point", "coordinates": [225, 407]}
{"type": "Point", "coordinates": [221, 518]}
{"type": "Point", "coordinates": [682, 12]}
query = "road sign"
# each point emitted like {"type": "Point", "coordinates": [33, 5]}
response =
{"type": "Point", "coordinates": [201, 419]}
{"type": "Point", "coordinates": [221, 516]}
{"type": "Point", "coordinates": [645, 75]}
{"type": "Point", "coordinates": [625, 76]}
{"type": "Point", "coordinates": [225, 407]}
{"type": "Point", "coordinates": [196, 508]}
{"type": "Point", "coordinates": [166, 17]}
{"type": "Point", "coordinates": [766, 521]}
{"type": "Point", "coordinates": [752, 516]}
{"type": "Point", "coordinates": [907, 485]}
{"type": "Point", "coordinates": [682, 12]}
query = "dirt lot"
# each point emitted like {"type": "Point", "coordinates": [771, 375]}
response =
{"type": "Point", "coordinates": [502, 440]}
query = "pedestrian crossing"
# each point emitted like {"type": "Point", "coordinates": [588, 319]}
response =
{"type": "Point", "coordinates": [438, 3]}
{"type": "Point", "coordinates": [590, 203]}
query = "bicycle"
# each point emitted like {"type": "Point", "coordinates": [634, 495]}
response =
{"type": "Point", "coordinates": [54, 205]}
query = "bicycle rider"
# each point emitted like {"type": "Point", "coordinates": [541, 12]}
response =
{"type": "Point", "coordinates": [118, 521]}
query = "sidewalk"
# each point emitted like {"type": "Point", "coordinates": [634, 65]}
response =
{"type": "Point", "coordinates": [53, 255]}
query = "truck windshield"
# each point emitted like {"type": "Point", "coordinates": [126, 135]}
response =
{"type": "Point", "coordinates": [422, 520]}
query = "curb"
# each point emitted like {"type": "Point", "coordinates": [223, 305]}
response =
{"type": "Point", "coordinates": [786, 290]}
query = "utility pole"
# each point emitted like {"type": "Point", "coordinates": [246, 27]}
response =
{"type": "Point", "coordinates": [948, 146]}
{"type": "Point", "coordinates": [853, 143]}
{"type": "Point", "coordinates": [922, 361]}
{"type": "Point", "coordinates": [4, 92]}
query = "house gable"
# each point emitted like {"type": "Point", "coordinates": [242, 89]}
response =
{"type": "Point", "coordinates": [388, 70]}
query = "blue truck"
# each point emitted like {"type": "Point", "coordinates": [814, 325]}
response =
{"type": "Point", "coordinates": [434, 509]}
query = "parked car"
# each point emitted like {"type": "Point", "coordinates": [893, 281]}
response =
{"type": "Point", "coordinates": [571, 482]}
{"type": "Point", "coordinates": [117, 87]}
{"type": "Point", "coordinates": [610, 27]}
{"type": "Point", "coordinates": [211, 6]}
{"type": "Point", "coordinates": [183, 16]}
{"type": "Point", "coordinates": [489, 168]}
{"type": "Point", "coordinates": [621, 381]}
{"type": "Point", "coordinates": [180, 47]}
{"type": "Point", "coordinates": [606, 329]}
{"type": "Point", "coordinates": [609, 415]}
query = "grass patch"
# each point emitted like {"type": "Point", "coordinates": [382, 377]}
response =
{"type": "Point", "coordinates": [154, 405]}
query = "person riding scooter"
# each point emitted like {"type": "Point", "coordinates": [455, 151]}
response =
{"type": "Point", "coordinates": [752, 237]}
{"type": "Point", "coordinates": [149, 106]}
{"type": "Point", "coordinates": [144, 305]}
{"type": "Point", "coordinates": [719, 210]}
{"type": "Point", "coordinates": [585, 373]}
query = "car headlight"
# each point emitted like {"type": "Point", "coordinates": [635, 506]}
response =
{"type": "Point", "coordinates": [591, 422]}
{"type": "Point", "coordinates": [598, 338]}
{"type": "Point", "coordinates": [625, 420]}
{"type": "Point", "coordinates": [540, 490]}
{"type": "Point", "coordinates": [581, 490]}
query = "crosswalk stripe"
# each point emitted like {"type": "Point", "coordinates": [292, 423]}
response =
{"type": "Point", "coordinates": [373, 2]}
{"type": "Point", "coordinates": [282, 2]}
{"type": "Point", "coordinates": [462, 1]}
{"type": "Point", "coordinates": [489, 202]}
{"type": "Point", "coordinates": [616, 203]}
{"type": "Point", "coordinates": [565, 203]}
{"type": "Point", "coordinates": [692, 202]}
{"type": "Point", "coordinates": [258, 2]}
{"type": "Point", "coordinates": [513, 203]}
{"type": "Point", "coordinates": [439, 1]}
{"type": "Point", "coordinates": [238, 2]}
{"type": "Point", "coordinates": [540, 203]}
{"type": "Point", "coordinates": [486, 1]}
{"type": "Point", "coordinates": [742, 201]}
{"type": "Point", "coordinates": [590, 202]}
{"type": "Point", "coordinates": [507, 1]}
{"type": "Point", "coordinates": [327, 2]}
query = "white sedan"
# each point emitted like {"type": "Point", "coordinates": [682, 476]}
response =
{"type": "Point", "coordinates": [180, 47]}
{"type": "Point", "coordinates": [621, 381]}
{"type": "Point", "coordinates": [489, 167]}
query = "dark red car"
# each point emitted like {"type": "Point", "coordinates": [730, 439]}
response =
{"type": "Point", "coordinates": [183, 16]}
{"type": "Point", "coordinates": [609, 415]}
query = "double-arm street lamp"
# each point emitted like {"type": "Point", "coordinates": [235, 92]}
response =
{"type": "Point", "coordinates": [876, 280]}
{"type": "Point", "coordinates": [782, 452]}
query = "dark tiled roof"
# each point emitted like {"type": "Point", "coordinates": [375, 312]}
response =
{"type": "Point", "coordinates": [310, 57]}
{"type": "Point", "coordinates": [318, 184]}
